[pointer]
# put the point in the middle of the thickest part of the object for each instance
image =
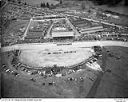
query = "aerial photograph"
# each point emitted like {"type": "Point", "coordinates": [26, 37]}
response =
{"type": "Point", "coordinates": [64, 49]}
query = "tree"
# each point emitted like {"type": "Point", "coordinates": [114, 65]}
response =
{"type": "Point", "coordinates": [60, 1]}
{"type": "Point", "coordinates": [25, 3]}
{"type": "Point", "coordinates": [47, 5]}
{"type": "Point", "coordinates": [107, 2]}
{"type": "Point", "coordinates": [44, 5]}
{"type": "Point", "coordinates": [83, 5]}
{"type": "Point", "coordinates": [41, 5]}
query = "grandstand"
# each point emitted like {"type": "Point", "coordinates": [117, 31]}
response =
{"type": "Point", "coordinates": [63, 34]}
{"type": "Point", "coordinates": [91, 30]}
{"type": "Point", "coordinates": [61, 29]}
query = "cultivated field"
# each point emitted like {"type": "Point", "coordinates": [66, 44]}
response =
{"type": "Point", "coordinates": [62, 57]}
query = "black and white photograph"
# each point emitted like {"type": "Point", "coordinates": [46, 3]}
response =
{"type": "Point", "coordinates": [64, 49]}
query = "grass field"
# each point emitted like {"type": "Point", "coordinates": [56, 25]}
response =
{"type": "Point", "coordinates": [39, 58]}
{"type": "Point", "coordinates": [15, 26]}
{"type": "Point", "coordinates": [19, 88]}
{"type": "Point", "coordinates": [115, 83]}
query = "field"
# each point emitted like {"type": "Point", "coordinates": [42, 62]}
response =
{"type": "Point", "coordinates": [62, 57]}
{"type": "Point", "coordinates": [114, 83]}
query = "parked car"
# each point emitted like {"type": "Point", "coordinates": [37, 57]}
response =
{"type": "Point", "coordinates": [7, 70]}
{"type": "Point", "coordinates": [51, 83]}
{"type": "Point", "coordinates": [32, 79]}
{"type": "Point", "coordinates": [43, 84]}
{"type": "Point", "coordinates": [15, 73]}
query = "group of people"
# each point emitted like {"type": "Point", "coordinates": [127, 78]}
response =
{"type": "Point", "coordinates": [104, 36]}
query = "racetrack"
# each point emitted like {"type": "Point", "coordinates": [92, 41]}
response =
{"type": "Point", "coordinates": [111, 85]}
{"type": "Point", "coordinates": [49, 54]}
{"type": "Point", "coordinates": [44, 46]}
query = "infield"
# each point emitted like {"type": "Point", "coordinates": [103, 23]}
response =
{"type": "Point", "coordinates": [49, 57]}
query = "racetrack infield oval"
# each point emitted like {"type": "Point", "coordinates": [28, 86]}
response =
{"type": "Point", "coordinates": [43, 58]}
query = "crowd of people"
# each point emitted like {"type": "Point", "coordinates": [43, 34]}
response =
{"type": "Point", "coordinates": [108, 32]}
{"type": "Point", "coordinates": [103, 36]}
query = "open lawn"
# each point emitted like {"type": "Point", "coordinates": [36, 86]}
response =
{"type": "Point", "coordinates": [20, 88]}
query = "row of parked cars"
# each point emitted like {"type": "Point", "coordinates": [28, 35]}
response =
{"type": "Point", "coordinates": [103, 36]}
{"type": "Point", "coordinates": [8, 70]}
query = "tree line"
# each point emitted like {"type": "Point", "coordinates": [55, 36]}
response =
{"type": "Point", "coordinates": [42, 5]}
{"type": "Point", "coordinates": [108, 2]}
{"type": "Point", "coordinates": [47, 5]}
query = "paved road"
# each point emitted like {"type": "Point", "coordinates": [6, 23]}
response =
{"type": "Point", "coordinates": [74, 29]}
{"type": "Point", "coordinates": [25, 34]}
{"type": "Point", "coordinates": [42, 46]}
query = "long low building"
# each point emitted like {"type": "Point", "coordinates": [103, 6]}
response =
{"type": "Point", "coordinates": [63, 34]}
{"type": "Point", "coordinates": [91, 30]}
